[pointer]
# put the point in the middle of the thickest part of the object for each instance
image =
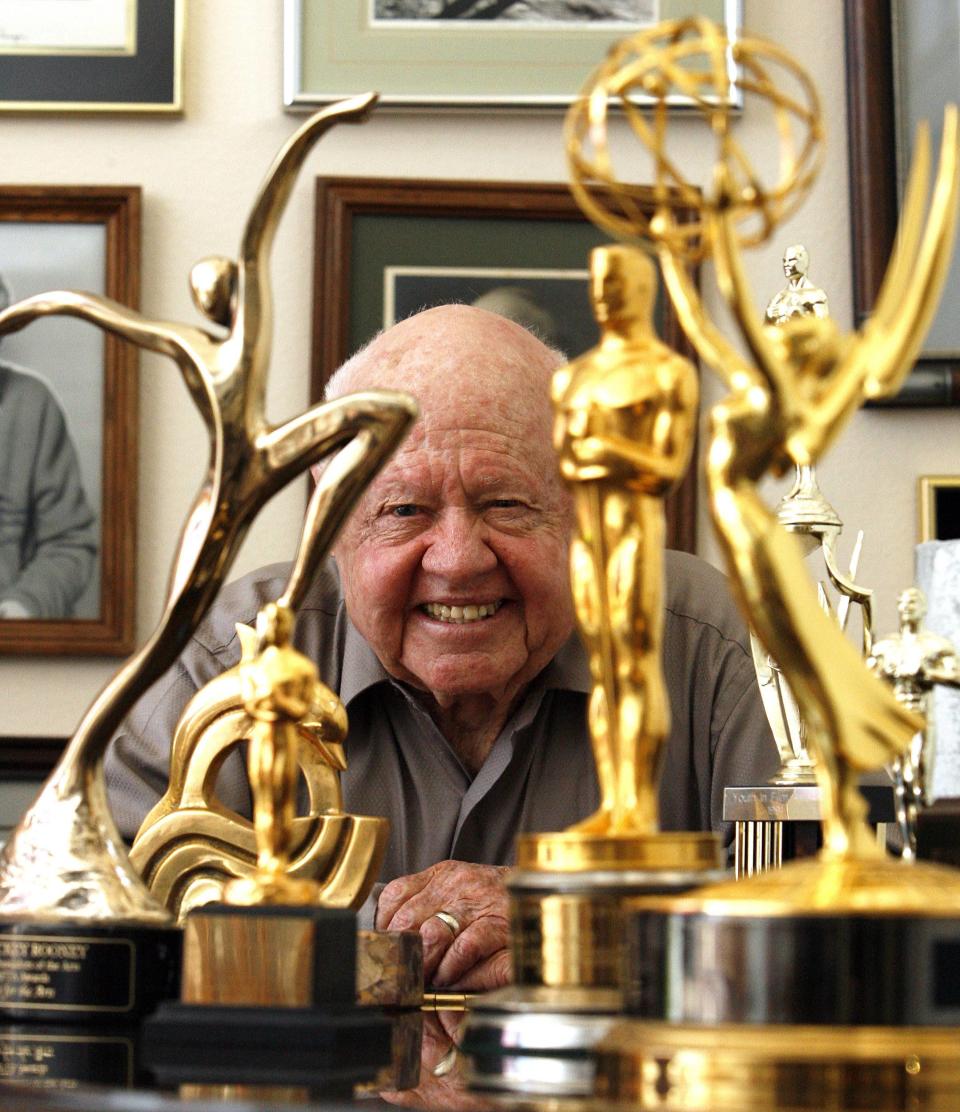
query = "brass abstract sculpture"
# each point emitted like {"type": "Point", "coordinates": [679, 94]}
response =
{"type": "Point", "coordinates": [913, 661]}
{"type": "Point", "coordinates": [66, 860]}
{"type": "Point", "coordinates": [626, 417]}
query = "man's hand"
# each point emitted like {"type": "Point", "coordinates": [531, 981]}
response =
{"type": "Point", "coordinates": [477, 958]}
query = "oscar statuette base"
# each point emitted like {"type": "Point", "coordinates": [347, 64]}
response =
{"type": "Point", "coordinates": [269, 1001]}
{"type": "Point", "coordinates": [535, 1039]}
{"type": "Point", "coordinates": [831, 983]}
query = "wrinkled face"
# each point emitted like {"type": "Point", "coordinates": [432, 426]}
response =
{"type": "Point", "coordinates": [454, 565]}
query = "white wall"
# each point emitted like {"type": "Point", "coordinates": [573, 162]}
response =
{"type": "Point", "coordinates": [199, 174]}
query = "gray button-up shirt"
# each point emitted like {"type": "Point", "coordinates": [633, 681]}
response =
{"type": "Point", "coordinates": [540, 773]}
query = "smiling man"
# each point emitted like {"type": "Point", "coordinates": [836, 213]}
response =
{"type": "Point", "coordinates": [445, 624]}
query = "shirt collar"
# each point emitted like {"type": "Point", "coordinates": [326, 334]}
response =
{"type": "Point", "coordinates": [361, 668]}
{"type": "Point", "coordinates": [568, 671]}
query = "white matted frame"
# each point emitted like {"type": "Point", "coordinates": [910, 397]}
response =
{"type": "Point", "coordinates": [337, 48]}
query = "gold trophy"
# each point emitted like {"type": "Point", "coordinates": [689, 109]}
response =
{"type": "Point", "coordinates": [81, 938]}
{"type": "Point", "coordinates": [625, 421]}
{"type": "Point", "coordinates": [236, 885]}
{"type": "Point", "coordinates": [913, 661]}
{"type": "Point", "coordinates": [823, 984]}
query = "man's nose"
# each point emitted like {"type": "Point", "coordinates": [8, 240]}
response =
{"type": "Point", "coordinates": [459, 548]}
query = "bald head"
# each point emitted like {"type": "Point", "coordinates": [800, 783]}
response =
{"type": "Point", "coordinates": [457, 358]}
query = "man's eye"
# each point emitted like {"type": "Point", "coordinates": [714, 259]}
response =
{"type": "Point", "coordinates": [405, 509]}
{"type": "Point", "coordinates": [504, 504]}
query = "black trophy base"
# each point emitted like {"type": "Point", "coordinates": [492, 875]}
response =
{"type": "Point", "coordinates": [86, 973]}
{"type": "Point", "coordinates": [66, 1057]}
{"type": "Point", "coordinates": [324, 1050]}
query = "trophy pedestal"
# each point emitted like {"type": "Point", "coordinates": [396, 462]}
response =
{"type": "Point", "coordinates": [85, 972]}
{"type": "Point", "coordinates": [779, 822]}
{"type": "Point", "coordinates": [826, 984]}
{"type": "Point", "coordinates": [568, 896]}
{"type": "Point", "coordinates": [269, 999]}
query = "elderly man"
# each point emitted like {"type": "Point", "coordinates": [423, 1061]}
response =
{"type": "Point", "coordinates": [445, 623]}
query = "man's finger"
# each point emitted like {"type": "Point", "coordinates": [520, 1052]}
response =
{"type": "Point", "coordinates": [395, 895]}
{"type": "Point", "coordinates": [473, 946]}
{"type": "Point", "coordinates": [494, 972]}
{"type": "Point", "coordinates": [437, 940]}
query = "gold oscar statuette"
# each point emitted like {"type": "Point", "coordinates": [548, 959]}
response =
{"type": "Point", "coordinates": [808, 986]}
{"type": "Point", "coordinates": [625, 421]}
{"type": "Point", "coordinates": [65, 870]}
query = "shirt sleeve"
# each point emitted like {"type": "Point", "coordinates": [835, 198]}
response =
{"type": "Point", "coordinates": [59, 542]}
{"type": "Point", "coordinates": [138, 760]}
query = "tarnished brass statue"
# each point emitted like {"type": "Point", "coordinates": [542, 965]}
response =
{"type": "Point", "coordinates": [913, 661]}
{"type": "Point", "coordinates": [801, 381]}
{"type": "Point", "coordinates": [806, 513]}
{"type": "Point", "coordinates": [626, 414]}
{"type": "Point", "coordinates": [66, 860]}
{"type": "Point", "coordinates": [800, 297]}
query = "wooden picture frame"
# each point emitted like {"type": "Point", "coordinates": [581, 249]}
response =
{"type": "Point", "coordinates": [462, 55]}
{"type": "Point", "coordinates": [368, 230]}
{"type": "Point", "coordinates": [874, 175]}
{"type": "Point", "coordinates": [138, 68]}
{"type": "Point", "coordinates": [56, 237]}
{"type": "Point", "coordinates": [29, 758]}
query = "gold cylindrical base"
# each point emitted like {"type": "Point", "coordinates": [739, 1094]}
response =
{"type": "Point", "coordinates": [568, 895]}
{"type": "Point", "coordinates": [577, 852]}
{"type": "Point", "coordinates": [730, 1068]}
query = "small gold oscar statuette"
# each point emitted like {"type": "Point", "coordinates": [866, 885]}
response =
{"type": "Point", "coordinates": [69, 896]}
{"type": "Point", "coordinates": [821, 984]}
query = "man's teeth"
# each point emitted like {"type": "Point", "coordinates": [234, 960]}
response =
{"type": "Point", "coordinates": [460, 614]}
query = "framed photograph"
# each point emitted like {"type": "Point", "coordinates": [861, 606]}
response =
{"type": "Point", "coordinates": [903, 66]}
{"type": "Point", "coordinates": [464, 54]}
{"type": "Point", "coordinates": [68, 412]}
{"type": "Point", "coordinates": [388, 248]}
{"type": "Point", "coordinates": [938, 497]}
{"type": "Point", "coordinates": [91, 55]}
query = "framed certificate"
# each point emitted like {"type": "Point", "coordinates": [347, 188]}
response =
{"type": "Point", "coordinates": [91, 55]}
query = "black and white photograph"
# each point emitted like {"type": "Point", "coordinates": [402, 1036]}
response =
{"type": "Point", "coordinates": [553, 304]}
{"type": "Point", "coordinates": [633, 12]}
{"type": "Point", "coordinates": [51, 429]}
{"type": "Point", "coordinates": [68, 397]}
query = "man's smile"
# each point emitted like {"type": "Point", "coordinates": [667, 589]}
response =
{"type": "Point", "coordinates": [459, 615]}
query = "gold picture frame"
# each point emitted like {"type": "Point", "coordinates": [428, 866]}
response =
{"type": "Point", "coordinates": [938, 499]}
